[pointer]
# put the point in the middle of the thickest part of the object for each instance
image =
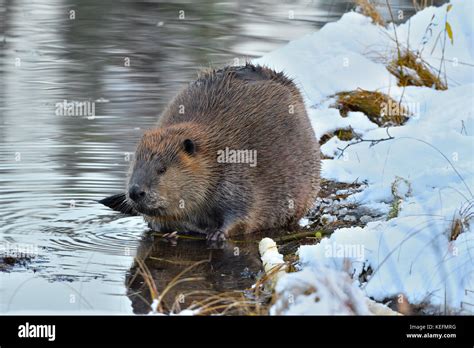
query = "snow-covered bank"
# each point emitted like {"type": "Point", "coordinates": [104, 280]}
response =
{"type": "Point", "coordinates": [412, 256]}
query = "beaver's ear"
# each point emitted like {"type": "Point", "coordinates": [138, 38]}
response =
{"type": "Point", "coordinates": [189, 146]}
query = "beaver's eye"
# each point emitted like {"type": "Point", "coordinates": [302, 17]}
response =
{"type": "Point", "coordinates": [161, 170]}
{"type": "Point", "coordinates": [189, 146]}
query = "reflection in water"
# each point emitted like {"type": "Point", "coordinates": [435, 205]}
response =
{"type": "Point", "coordinates": [129, 58]}
{"type": "Point", "coordinates": [203, 272]}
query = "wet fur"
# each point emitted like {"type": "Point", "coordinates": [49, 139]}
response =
{"type": "Point", "coordinates": [243, 108]}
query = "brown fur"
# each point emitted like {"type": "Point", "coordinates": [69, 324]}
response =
{"type": "Point", "coordinates": [242, 108]}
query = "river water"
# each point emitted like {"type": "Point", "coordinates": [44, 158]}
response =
{"type": "Point", "coordinates": [125, 59]}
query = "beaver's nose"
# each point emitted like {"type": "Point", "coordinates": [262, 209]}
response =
{"type": "Point", "coordinates": [136, 193]}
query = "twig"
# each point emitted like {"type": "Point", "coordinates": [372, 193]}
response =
{"type": "Point", "coordinates": [292, 237]}
{"type": "Point", "coordinates": [444, 47]}
{"type": "Point", "coordinates": [394, 28]}
{"type": "Point", "coordinates": [371, 141]}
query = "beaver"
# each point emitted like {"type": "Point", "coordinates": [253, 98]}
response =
{"type": "Point", "coordinates": [234, 152]}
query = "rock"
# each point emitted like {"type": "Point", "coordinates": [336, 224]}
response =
{"type": "Point", "coordinates": [327, 219]}
{"type": "Point", "coordinates": [342, 211]}
{"type": "Point", "coordinates": [350, 218]}
{"type": "Point", "coordinates": [328, 201]}
{"type": "Point", "coordinates": [330, 210]}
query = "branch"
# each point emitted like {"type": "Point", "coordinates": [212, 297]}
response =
{"type": "Point", "coordinates": [371, 141]}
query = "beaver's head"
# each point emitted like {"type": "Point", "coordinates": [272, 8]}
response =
{"type": "Point", "coordinates": [171, 172]}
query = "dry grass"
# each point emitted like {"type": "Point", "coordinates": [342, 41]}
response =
{"type": "Point", "coordinates": [148, 278]}
{"type": "Point", "coordinates": [411, 70]}
{"type": "Point", "coordinates": [223, 303]}
{"type": "Point", "coordinates": [255, 301]}
{"type": "Point", "coordinates": [408, 67]}
{"type": "Point", "coordinates": [368, 9]}
{"type": "Point", "coordinates": [461, 221]}
{"type": "Point", "coordinates": [456, 229]}
{"type": "Point", "coordinates": [379, 107]}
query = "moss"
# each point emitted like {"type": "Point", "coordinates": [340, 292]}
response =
{"type": "Point", "coordinates": [401, 189]}
{"type": "Point", "coordinates": [379, 107]}
{"type": "Point", "coordinates": [394, 209]}
{"type": "Point", "coordinates": [344, 134]}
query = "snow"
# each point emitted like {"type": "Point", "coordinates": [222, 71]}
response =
{"type": "Point", "coordinates": [428, 166]}
{"type": "Point", "coordinates": [327, 291]}
{"type": "Point", "coordinates": [304, 222]}
{"type": "Point", "coordinates": [321, 291]}
{"type": "Point", "coordinates": [356, 120]}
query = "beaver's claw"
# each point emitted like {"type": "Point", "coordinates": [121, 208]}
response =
{"type": "Point", "coordinates": [216, 239]}
{"type": "Point", "coordinates": [216, 236]}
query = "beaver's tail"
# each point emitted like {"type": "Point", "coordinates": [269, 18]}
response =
{"type": "Point", "coordinates": [119, 203]}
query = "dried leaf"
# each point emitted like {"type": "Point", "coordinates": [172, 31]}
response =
{"type": "Point", "coordinates": [449, 31]}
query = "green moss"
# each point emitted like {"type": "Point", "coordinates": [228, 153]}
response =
{"type": "Point", "coordinates": [378, 107]}
{"type": "Point", "coordinates": [394, 208]}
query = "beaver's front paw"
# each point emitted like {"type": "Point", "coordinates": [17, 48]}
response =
{"type": "Point", "coordinates": [216, 239]}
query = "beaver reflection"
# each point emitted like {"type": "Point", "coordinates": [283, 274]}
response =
{"type": "Point", "coordinates": [234, 267]}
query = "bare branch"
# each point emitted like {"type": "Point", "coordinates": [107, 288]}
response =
{"type": "Point", "coordinates": [371, 141]}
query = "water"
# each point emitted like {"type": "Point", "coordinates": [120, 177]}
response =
{"type": "Point", "coordinates": [128, 58]}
